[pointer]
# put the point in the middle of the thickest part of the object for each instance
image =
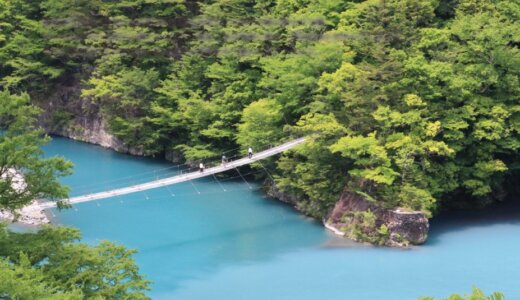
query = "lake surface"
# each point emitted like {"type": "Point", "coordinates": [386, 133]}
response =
{"type": "Point", "coordinates": [197, 241]}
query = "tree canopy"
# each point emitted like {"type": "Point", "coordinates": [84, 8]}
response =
{"type": "Point", "coordinates": [51, 264]}
{"type": "Point", "coordinates": [412, 103]}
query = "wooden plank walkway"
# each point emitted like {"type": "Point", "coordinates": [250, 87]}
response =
{"type": "Point", "coordinates": [179, 178]}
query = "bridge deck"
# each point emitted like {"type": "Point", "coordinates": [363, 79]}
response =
{"type": "Point", "coordinates": [179, 178]}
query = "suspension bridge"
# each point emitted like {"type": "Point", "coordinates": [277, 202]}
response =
{"type": "Point", "coordinates": [221, 167]}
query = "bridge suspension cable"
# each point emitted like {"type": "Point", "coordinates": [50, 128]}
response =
{"type": "Point", "coordinates": [148, 175]}
{"type": "Point", "coordinates": [180, 195]}
{"type": "Point", "coordinates": [219, 168]}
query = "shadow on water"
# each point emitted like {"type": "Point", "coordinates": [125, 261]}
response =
{"type": "Point", "coordinates": [503, 213]}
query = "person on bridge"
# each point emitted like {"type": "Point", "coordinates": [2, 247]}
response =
{"type": "Point", "coordinates": [250, 152]}
{"type": "Point", "coordinates": [201, 167]}
{"type": "Point", "coordinates": [224, 160]}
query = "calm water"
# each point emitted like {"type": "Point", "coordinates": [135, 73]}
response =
{"type": "Point", "coordinates": [239, 245]}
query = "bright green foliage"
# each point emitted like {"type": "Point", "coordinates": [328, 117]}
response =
{"type": "Point", "coordinates": [22, 44]}
{"type": "Point", "coordinates": [23, 282]}
{"type": "Point", "coordinates": [477, 294]}
{"type": "Point", "coordinates": [367, 154]}
{"type": "Point", "coordinates": [426, 114]}
{"type": "Point", "coordinates": [261, 122]}
{"type": "Point", "coordinates": [414, 103]}
{"type": "Point", "coordinates": [125, 97]}
{"type": "Point", "coordinates": [21, 156]}
{"type": "Point", "coordinates": [293, 78]}
{"type": "Point", "coordinates": [311, 171]}
{"type": "Point", "coordinates": [50, 264]}
{"type": "Point", "coordinates": [361, 227]}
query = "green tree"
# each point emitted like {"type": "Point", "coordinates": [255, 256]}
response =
{"type": "Point", "coordinates": [59, 266]}
{"type": "Point", "coordinates": [312, 172]}
{"type": "Point", "coordinates": [23, 61]}
{"type": "Point", "coordinates": [126, 96]}
{"type": "Point", "coordinates": [24, 174]}
{"type": "Point", "coordinates": [261, 122]}
{"type": "Point", "coordinates": [23, 282]}
{"type": "Point", "coordinates": [477, 294]}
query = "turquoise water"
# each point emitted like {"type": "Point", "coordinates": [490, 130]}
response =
{"type": "Point", "coordinates": [236, 244]}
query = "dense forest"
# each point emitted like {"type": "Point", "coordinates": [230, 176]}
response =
{"type": "Point", "coordinates": [409, 103]}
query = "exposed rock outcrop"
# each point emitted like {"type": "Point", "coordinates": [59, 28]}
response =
{"type": "Point", "coordinates": [94, 130]}
{"type": "Point", "coordinates": [357, 218]}
{"type": "Point", "coordinates": [31, 214]}
{"type": "Point", "coordinates": [174, 156]}
{"type": "Point", "coordinates": [66, 113]}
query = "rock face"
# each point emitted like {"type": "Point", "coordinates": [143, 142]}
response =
{"type": "Point", "coordinates": [66, 113]}
{"type": "Point", "coordinates": [410, 226]}
{"type": "Point", "coordinates": [94, 130]}
{"type": "Point", "coordinates": [174, 156]}
{"type": "Point", "coordinates": [30, 215]}
{"type": "Point", "coordinates": [274, 192]}
{"type": "Point", "coordinates": [357, 218]}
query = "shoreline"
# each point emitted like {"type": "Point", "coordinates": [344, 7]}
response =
{"type": "Point", "coordinates": [30, 215]}
{"type": "Point", "coordinates": [333, 229]}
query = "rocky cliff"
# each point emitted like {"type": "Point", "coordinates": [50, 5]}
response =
{"type": "Point", "coordinates": [355, 217]}
{"type": "Point", "coordinates": [66, 113]}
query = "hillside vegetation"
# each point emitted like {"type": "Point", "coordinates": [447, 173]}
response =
{"type": "Point", "coordinates": [411, 103]}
